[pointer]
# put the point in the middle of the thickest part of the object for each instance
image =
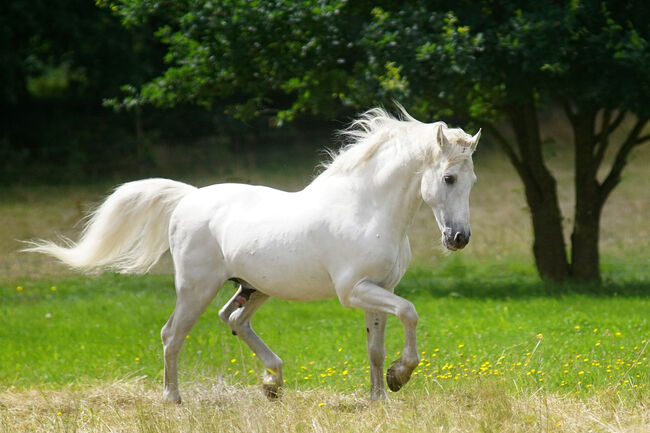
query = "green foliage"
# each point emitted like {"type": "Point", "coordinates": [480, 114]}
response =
{"type": "Point", "coordinates": [477, 59]}
{"type": "Point", "coordinates": [54, 82]}
{"type": "Point", "coordinates": [285, 56]}
{"type": "Point", "coordinates": [444, 58]}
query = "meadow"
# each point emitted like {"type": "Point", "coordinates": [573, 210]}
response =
{"type": "Point", "coordinates": [501, 351]}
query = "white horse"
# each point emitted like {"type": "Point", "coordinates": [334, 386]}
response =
{"type": "Point", "coordinates": [344, 235]}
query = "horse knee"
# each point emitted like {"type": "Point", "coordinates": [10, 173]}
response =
{"type": "Point", "coordinates": [166, 332]}
{"type": "Point", "coordinates": [171, 345]}
{"type": "Point", "coordinates": [164, 336]}
{"type": "Point", "coordinates": [408, 314]}
{"type": "Point", "coordinates": [239, 328]}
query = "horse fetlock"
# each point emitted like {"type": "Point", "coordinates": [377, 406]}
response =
{"type": "Point", "coordinates": [273, 376]}
{"type": "Point", "coordinates": [397, 375]}
{"type": "Point", "coordinates": [172, 397]}
{"type": "Point", "coordinates": [272, 383]}
{"type": "Point", "coordinates": [378, 394]}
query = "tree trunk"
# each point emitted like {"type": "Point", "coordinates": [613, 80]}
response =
{"type": "Point", "coordinates": [585, 258]}
{"type": "Point", "coordinates": [549, 248]}
{"type": "Point", "coordinates": [590, 194]}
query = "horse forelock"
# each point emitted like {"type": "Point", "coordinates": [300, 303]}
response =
{"type": "Point", "coordinates": [460, 146]}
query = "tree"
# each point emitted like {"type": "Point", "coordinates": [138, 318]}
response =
{"type": "Point", "coordinates": [491, 61]}
{"type": "Point", "coordinates": [482, 61]}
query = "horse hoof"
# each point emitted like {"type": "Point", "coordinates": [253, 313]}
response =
{"type": "Point", "coordinates": [394, 384]}
{"type": "Point", "coordinates": [271, 391]}
{"type": "Point", "coordinates": [396, 376]}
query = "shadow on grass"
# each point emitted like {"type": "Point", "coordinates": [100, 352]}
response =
{"type": "Point", "coordinates": [456, 278]}
{"type": "Point", "coordinates": [453, 278]}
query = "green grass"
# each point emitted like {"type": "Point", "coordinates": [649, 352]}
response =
{"type": "Point", "coordinates": [575, 341]}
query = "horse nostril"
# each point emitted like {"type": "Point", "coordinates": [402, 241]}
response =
{"type": "Point", "coordinates": [460, 239]}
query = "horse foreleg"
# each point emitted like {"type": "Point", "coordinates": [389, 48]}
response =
{"type": "Point", "coordinates": [375, 326]}
{"type": "Point", "coordinates": [237, 313]}
{"type": "Point", "coordinates": [370, 297]}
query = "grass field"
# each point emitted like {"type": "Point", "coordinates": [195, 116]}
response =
{"type": "Point", "coordinates": [108, 328]}
{"type": "Point", "coordinates": [500, 350]}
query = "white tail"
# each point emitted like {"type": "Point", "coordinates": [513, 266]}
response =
{"type": "Point", "coordinates": [127, 233]}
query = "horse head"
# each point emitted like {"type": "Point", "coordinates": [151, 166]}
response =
{"type": "Point", "coordinates": [447, 181]}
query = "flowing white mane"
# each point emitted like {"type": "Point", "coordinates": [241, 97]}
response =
{"type": "Point", "coordinates": [375, 128]}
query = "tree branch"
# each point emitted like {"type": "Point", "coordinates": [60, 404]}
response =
{"type": "Point", "coordinates": [602, 138]}
{"type": "Point", "coordinates": [614, 176]}
{"type": "Point", "coordinates": [642, 139]}
{"type": "Point", "coordinates": [492, 130]}
{"type": "Point", "coordinates": [505, 145]}
{"type": "Point", "coordinates": [566, 105]}
{"type": "Point", "coordinates": [615, 124]}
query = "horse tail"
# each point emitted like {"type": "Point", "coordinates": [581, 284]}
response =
{"type": "Point", "coordinates": [128, 232]}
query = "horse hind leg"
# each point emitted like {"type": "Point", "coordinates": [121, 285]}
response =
{"type": "Point", "coordinates": [237, 314]}
{"type": "Point", "coordinates": [191, 302]}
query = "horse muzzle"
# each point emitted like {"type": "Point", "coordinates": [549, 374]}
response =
{"type": "Point", "coordinates": [455, 240]}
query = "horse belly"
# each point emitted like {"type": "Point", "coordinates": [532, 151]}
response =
{"type": "Point", "coordinates": [280, 255]}
{"type": "Point", "coordinates": [290, 274]}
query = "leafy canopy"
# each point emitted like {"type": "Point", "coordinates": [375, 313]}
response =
{"type": "Point", "coordinates": [444, 57]}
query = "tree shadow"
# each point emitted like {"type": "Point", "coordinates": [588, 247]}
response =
{"type": "Point", "coordinates": [479, 284]}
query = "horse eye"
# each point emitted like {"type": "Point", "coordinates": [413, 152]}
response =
{"type": "Point", "coordinates": [449, 180]}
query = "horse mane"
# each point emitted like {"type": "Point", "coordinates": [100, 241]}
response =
{"type": "Point", "coordinates": [373, 129]}
{"type": "Point", "coordinates": [364, 137]}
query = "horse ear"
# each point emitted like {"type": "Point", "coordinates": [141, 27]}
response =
{"type": "Point", "coordinates": [475, 140]}
{"type": "Point", "coordinates": [442, 141]}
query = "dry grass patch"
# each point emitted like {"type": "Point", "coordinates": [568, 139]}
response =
{"type": "Point", "coordinates": [136, 406]}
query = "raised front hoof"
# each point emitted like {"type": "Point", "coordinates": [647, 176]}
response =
{"type": "Point", "coordinates": [397, 376]}
{"type": "Point", "coordinates": [272, 391]}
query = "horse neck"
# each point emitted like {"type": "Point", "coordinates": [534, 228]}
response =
{"type": "Point", "coordinates": [389, 183]}
{"type": "Point", "coordinates": [396, 188]}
